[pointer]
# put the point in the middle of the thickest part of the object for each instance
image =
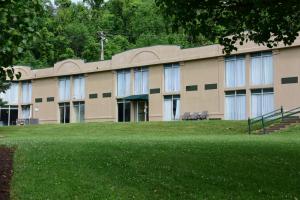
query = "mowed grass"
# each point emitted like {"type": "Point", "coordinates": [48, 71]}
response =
{"type": "Point", "coordinates": [180, 160]}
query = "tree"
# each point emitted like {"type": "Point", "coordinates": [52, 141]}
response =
{"type": "Point", "coordinates": [232, 22]}
{"type": "Point", "coordinates": [17, 29]}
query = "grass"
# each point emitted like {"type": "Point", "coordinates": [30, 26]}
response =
{"type": "Point", "coordinates": [181, 160]}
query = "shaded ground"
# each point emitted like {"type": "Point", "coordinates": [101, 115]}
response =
{"type": "Point", "coordinates": [6, 161]}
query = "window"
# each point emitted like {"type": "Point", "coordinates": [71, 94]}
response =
{"type": "Point", "coordinates": [141, 79]}
{"type": "Point", "coordinates": [79, 87]}
{"type": "Point", "coordinates": [171, 107]}
{"type": "Point", "coordinates": [123, 83]}
{"type": "Point", "coordinates": [64, 89]}
{"type": "Point", "coordinates": [172, 78]}
{"type": "Point", "coordinates": [262, 101]}
{"type": "Point", "coordinates": [8, 115]}
{"type": "Point", "coordinates": [235, 105]}
{"type": "Point", "coordinates": [262, 68]}
{"type": "Point", "coordinates": [235, 74]}
{"type": "Point", "coordinates": [124, 111]}
{"type": "Point", "coordinates": [26, 92]}
{"type": "Point", "coordinates": [79, 111]}
{"type": "Point", "coordinates": [11, 95]}
{"type": "Point", "coordinates": [64, 113]}
{"type": "Point", "coordinates": [26, 112]}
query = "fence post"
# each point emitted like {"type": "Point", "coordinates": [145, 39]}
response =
{"type": "Point", "coordinates": [281, 109]}
{"type": "Point", "coordinates": [249, 125]}
{"type": "Point", "coordinates": [263, 124]}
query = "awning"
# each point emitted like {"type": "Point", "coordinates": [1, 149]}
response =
{"type": "Point", "coordinates": [137, 97]}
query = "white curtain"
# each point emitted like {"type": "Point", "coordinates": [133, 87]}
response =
{"type": "Point", "coordinates": [61, 89]}
{"type": "Point", "coordinates": [176, 78]}
{"type": "Point", "coordinates": [138, 82]}
{"type": "Point", "coordinates": [82, 87]}
{"type": "Point", "coordinates": [14, 93]}
{"type": "Point", "coordinates": [67, 89]}
{"type": "Point", "coordinates": [121, 84]}
{"type": "Point", "coordinates": [240, 75]}
{"type": "Point", "coordinates": [229, 107]}
{"type": "Point", "coordinates": [267, 103]}
{"type": "Point", "coordinates": [25, 93]}
{"type": "Point", "coordinates": [256, 73]}
{"type": "Point", "coordinates": [168, 109]}
{"type": "Point", "coordinates": [229, 73]}
{"type": "Point", "coordinates": [256, 105]}
{"type": "Point", "coordinates": [145, 89]}
{"type": "Point", "coordinates": [268, 69]}
{"type": "Point", "coordinates": [77, 88]}
{"type": "Point", "coordinates": [29, 92]}
{"type": "Point", "coordinates": [168, 79]}
{"type": "Point", "coordinates": [177, 114]}
{"type": "Point", "coordinates": [240, 107]}
{"type": "Point", "coordinates": [127, 83]}
{"type": "Point", "coordinates": [26, 112]}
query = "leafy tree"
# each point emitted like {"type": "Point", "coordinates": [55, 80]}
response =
{"type": "Point", "coordinates": [265, 22]}
{"type": "Point", "coordinates": [17, 29]}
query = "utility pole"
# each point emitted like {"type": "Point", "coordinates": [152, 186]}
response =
{"type": "Point", "coordinates": [102, 39]}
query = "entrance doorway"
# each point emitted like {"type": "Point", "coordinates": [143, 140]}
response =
{"type": "Point", "coordinates": [141, 114]}
{"type": "Point", "coordinates": [124, 111]}
{"type": "Point", "coordinates": [8, 115]}
{"type": "Point", "coordinates": [64, 112]}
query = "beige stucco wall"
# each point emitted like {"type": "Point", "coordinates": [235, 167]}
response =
{"type": "Point", "coordinates": [156, 74]}
{"type": "Point", "coordinates": [100, 109]}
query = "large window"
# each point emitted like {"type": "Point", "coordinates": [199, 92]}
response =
{"type": "Point", "coordinates": [64, 112]}
{"type": "Point", "coordinates": [8, 115]}
{"type": "Point", "coordinates": [235, 73]}
{"type": "Point", "coordinates": [262, 101]}
{"type": "Point", "coordinates": [64, 89]}
{"type": "Point", "coordinates": [262, 68]}
{"type": "Point", "coordinates": [11, 95]}
{"type": "Point", "coordinates": [79, 111]}
{"type": "Point", "coordinates": [141, 79]}
{"type": "Point", "coordinates": [26, 92]}
{"type": "Point", "coordinates": [172, 77]}
{"type": "Point", "coordinates": [171, 107]}
{"type": "Point", "coordinates": [79, 87]}
{"type": "Point", "coordinates": [235, 105]}
{"type": "Point", "coordinates": [123, 77]}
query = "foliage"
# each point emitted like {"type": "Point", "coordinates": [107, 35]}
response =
{"type": "Point", "coordinates": [234, 22]}
{"type": "Point", "coordinates": [70, 30]}
{"type": "Point", "coordinates": [153, 160]}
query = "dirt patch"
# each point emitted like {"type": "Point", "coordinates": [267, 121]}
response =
{"type": "Point", "coordinates": [6, 171]}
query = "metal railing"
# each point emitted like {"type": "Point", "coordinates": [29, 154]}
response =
{"type": "Point", "coordinates": [267, 119]}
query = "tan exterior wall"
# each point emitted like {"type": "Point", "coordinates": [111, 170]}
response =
{"type": "Point", "coordinates": [198, 66]}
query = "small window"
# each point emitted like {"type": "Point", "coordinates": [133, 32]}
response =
{"type": "Point", "coordinates": [106, 95]}
{"type": "Point", "coordinates": [155, 91]}
{"type": "Point", "coordinates": [289, 80]}
{"type": "Point", "coordinates": [191, 88]}
{"type": "Point", "coordinates": [50, 99]}
{"type": "Point", "coordinates": [211, 86]}
{"type": "Point", "coordinates": [93, 96]}
{"type": "Point", "coordinates": [38, 100]}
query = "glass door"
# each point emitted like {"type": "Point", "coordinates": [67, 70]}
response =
{"type": "Point", "coordinates": [64, 111]}
{"type": "Point", "coordinates": [124, 111]}
{"type": "Point", "coordinates": [142, 111]}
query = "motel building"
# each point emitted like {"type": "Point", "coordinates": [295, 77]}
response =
{"type": "Point", "coordinates": [158, 83]}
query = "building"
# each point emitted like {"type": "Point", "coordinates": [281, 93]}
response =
{"type": "Point", "coordinates": [159, 83]}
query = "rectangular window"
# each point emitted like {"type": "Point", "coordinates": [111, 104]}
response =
{"type": "Point", "coordinates": [26, 112]}
{"type": "Point", "coordinates": [123, 79]}
{"type": "Point", "coordinates": [141, 81]}
{"type": "Point", "coordinates": [11, 95]}
{"type": "Point", "coordinates": [289, 80]}
{"type": "Point", "coordinates": [235, 105]}
{"type": "Point", "coordinates": [213, 86]}
{"type": "Point", "coordinates": [124, 111]}
{"type": "Point", "coordinates": [172, 77]}
{"type": "Point", "coordinates": [26, 92]}
{"type": "Point", "coordinates": [50, 99]}
{"type": "Point", "coordinates": [38, 100]}
{"type": "Point", "coordinates": [64, 89]}
{"type": "Point", "coordinates": [191, 88]}
{"type": "Point", "coordinates": [106, 95]}
{"type": "Point", "coordinates": [79, 87]}
{"type": "Point", "coordinates": [262, 101]}
{"type": "Point", "coordinates": [64, 113]}
{"type": "Point", "coordinates": [235, 71]}
{"type": "Point", "coordinates": [262, 68]}
{"type": "Point", "coordinates": [155, 91]}
{"type": "Point", "coordinates": [79, 111]}
{"type": "Point", "coordinates": [171, 107]}
{"type": "Point", "coordinates": [93, 96]}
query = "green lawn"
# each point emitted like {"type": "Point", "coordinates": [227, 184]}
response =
{"type": "Point", "coordinates": [181, 160]}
